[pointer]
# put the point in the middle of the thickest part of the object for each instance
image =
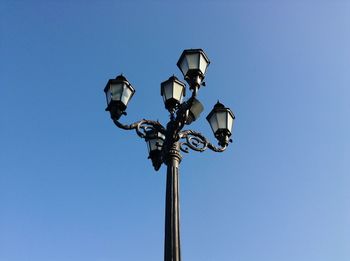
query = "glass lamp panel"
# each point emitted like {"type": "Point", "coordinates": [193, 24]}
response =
{"type": "Point", "coordinates": [214, 123]}
{"type": "Point", "coordinates": [160, 144]}
{"type": "Point", "coordinates": [222, 119]}
{"type": "Point", "coordinates": [152, 145]}
{"type": "Point", "coordinates": [164, 99]}
{"type": "Point", "coordinates": [193, 60]}
{"type": "Point", "coordinates": [161, 140]}
{"type": "Point", "coordinates": [148, 147]}
{"type": "Point", "coordinates": [116, 90]}
{"type": "Point", "coordinates": [184, 66]}
{"type": "Point", "coordinates": [108, 96]}
{"type": "Point", "coordinates": [168, 91]}
{"type": "Point", "coordinates": [203, 64]}
{"type": "Point", "coordinates": [126, 95]}
{"type": "Point", "coordinates": [177, 92]}
{"type": "Point", "coordinates": [229, 122]}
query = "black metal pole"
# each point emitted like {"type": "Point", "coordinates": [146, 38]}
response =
{"type": "Point", "coordinates": [172, 210]}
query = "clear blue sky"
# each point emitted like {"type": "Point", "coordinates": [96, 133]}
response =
{"type": "Point", "coordinates": [75, 188]}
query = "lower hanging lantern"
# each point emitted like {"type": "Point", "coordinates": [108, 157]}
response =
{"type": "Point", "coordinates": [155, 141]}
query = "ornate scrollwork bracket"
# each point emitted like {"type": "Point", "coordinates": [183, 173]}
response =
{"type": "Point", "coordinates": [197, 142]}
{"type": "Point", "coordinates": [141, 127]}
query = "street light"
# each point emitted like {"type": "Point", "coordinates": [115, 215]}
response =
{"type": "Point", "coordinates": [165, 143]}
{"type": "Point", "coordinates": [173, 92]}
{"type": "Point", "coordinates": [155, 141]}
{"type": "Point", "coordinates": [193, 64]}
{"type": "Point", "coordinates": [221, 121]}
{"type": "Point", "coordinates": [118, 94]}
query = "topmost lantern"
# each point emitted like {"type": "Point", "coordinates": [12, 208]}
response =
{"type": "Point", "coordinates": [193, 64]}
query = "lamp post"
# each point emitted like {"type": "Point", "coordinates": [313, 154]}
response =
{"type": "Point", "coordinates": [165, 143]}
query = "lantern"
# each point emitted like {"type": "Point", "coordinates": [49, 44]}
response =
{"type": "Point", "coordinates": [172, 91]}
{"type": "Point", "coordinates": [155, 141]}
{"type": "Point", "coordinates": [118, 94]}
{"type": "Point", "coordinates": [221, 121]}
{"type": "Point", "coordinates": [193, 64]}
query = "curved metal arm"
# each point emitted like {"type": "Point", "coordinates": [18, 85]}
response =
{"type": "Point", "coordinates": [141, 127]}
{"type": "Point", "coordinates": [197, 142]}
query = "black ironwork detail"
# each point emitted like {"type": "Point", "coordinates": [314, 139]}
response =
{"type": "Point", "coordinates": [197, 142]}
{"type": "Point", "coordinates": [141, 126]}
